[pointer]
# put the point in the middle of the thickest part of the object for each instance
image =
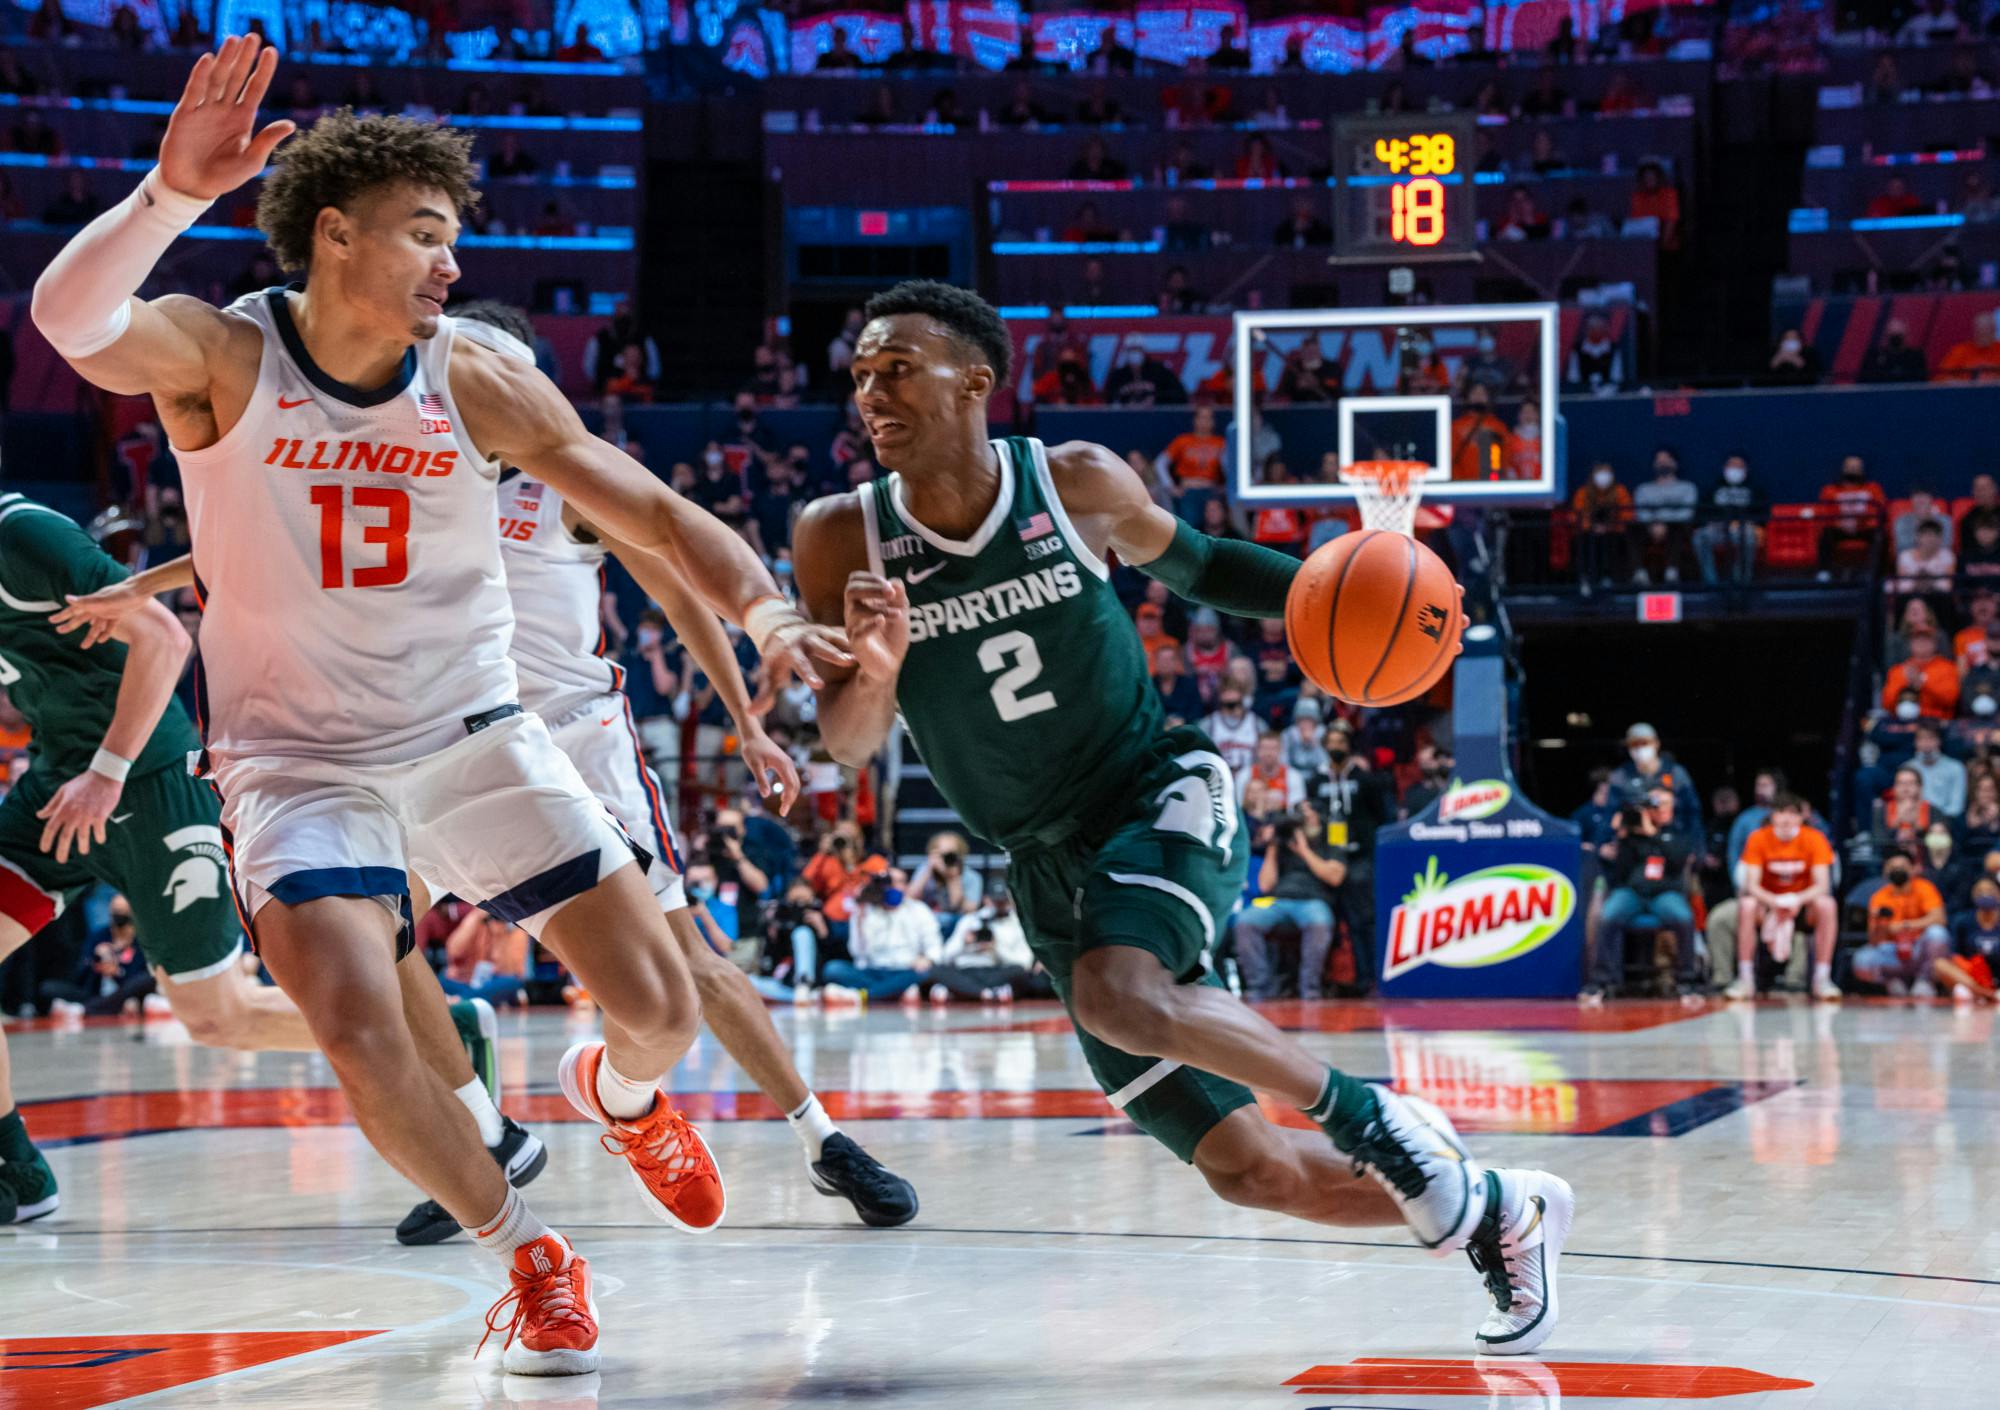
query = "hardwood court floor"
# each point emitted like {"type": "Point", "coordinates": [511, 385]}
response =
{"type": "Point", "coordinates": [1778, 1207]}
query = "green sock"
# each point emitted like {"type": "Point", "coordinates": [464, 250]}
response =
{"type": "Point", "coordinates": [1340, 1101]}
{"type": "Point", "coordinates": [14, 1142]}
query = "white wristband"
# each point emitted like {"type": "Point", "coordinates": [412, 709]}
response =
{"type": "Point", "coordinates": [764, 616]}
{"type": "Point", "coordinates": [113, 766]}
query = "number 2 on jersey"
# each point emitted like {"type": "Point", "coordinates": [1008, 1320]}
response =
{"type": "Point", "coordinates": [994, 653]}
{"type": "Point", "coordinates": [394, 535]}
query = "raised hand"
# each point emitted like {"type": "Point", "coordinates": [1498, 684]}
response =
{"type": "Point", "coordinates": [789, 649]}
{"type": "Point", "coordinates": [212, 144]}
{"type": "Point", "coordinates": [100, 611]}
{"type": "Point", "coordinates": [878, 624]}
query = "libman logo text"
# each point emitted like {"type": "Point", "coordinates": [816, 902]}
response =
{"type": "Point", "coordinates": [1485, 918]}
{"type": "Point", "coordinates": [1479, 799]}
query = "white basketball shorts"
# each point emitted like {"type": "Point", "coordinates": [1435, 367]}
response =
{"type": "Point", "coordinates": [501, 818]}
{"type": "Point", "coordinates": [601, 740]}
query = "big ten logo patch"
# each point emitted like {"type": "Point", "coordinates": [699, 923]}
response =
{"type": "Point", "coordinates": [197, 876]}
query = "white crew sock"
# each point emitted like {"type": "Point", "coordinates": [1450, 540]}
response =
{"type": "Point", "coordinates": [477, 1100]}
{"type": "Point", "coordinates": [1823, 972]}
{"type": "Point", "coordinates": [620, 1095]}
{"type": "Point", "coordinates": [508, 1230]}
{"type": "Point", "coordinates": [1746, 973]}
{"type": "Point", "coordinates": [811, 1125]}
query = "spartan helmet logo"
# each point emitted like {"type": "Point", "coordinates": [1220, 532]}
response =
{"type": "Point", "coordinates": [198, 877]}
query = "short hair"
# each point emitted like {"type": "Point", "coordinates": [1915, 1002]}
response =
{"type": "Point", "coordinates": [1790, 803]}
{"type": "Point", "coordinates": [1931, 526]}
{"type": "Point", "coordinates": [1928, 727]}
{"type": "Point", "coordinates": [971, 321]}
{"type": "Point", "coordinates": [343, 156]}
{"type": "Point", "coordinates": [1776, 775]}
{"type": "Point", "coordinates": [495, 314]}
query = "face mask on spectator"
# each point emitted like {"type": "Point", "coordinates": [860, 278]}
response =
{"type": "Point", "coordinates": [892, 897]}
{"type": "Point", "coordinates": [1938, 844]}
{"type": "Point", "coordinates": [1645, 755]}
{"type": "Point", "coordinates": [1789, 345]}
{"type": "Point", "coordinates": [1988, 905]}
{"type": "Point", "coordinates": [1735, 474]}
{"type": "Point", "coordinates": [1907, 710]}
{"type": "Point", "coordinates": [1337, 749]}
{"type": "Point", "coordinates": [1852, 474]}
{"type": "Point", "coordinates": [1984, 705]}
{"type": "Point", "coordinates": [1601, 479]}
{"type": "Point", "coordinates": [701, 892]}
{"type": "Point", "coordinates": [1486, 345]}
{"type": "Point", "coordinates": [713, 458]}
{"type": "Point", "coordinates": [1870, 753]}
{"type": "Point", "coordinates": [1898, 876]}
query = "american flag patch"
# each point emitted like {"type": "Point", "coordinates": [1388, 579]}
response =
{"type": "Point", "coordinates": [1035, 527]}
{"type": "Point", "coordinates": [431, 414]}
{"type": "Point", "coordinates": [528, 492]}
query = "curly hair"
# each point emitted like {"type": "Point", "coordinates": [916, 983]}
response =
{"type": "Point", "coordinates": [342, 156]}
{"type": "Point", "coordinates": [971, 321]}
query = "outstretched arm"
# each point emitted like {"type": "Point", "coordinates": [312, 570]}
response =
{"type": "Point", "coordinates": [1110, 506]}
{"type": "Point", "coordinates": [156, 650]}
{"type": "Point", "coordinates": [84, 302]}
{"type": "Point", "coordinates": [103, 610]}
{"type": "Point", "coordinates": [857, 703]}
{"type": "Point", "coordinates": [702, 634]}
{"type": "Point", "coordinates": [514, 412]}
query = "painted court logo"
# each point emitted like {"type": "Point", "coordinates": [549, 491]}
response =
{"type": "Point", "coordinates": [1481, 798]}
{"type": "Point", "coordinates": [1485, 918]}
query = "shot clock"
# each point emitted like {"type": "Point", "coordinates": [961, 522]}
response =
{"type": "Point", "coordinates": [1403, 187]}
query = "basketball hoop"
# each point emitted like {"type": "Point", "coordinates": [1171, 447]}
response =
{"type": "Point", "coordinates": [1387, 492]}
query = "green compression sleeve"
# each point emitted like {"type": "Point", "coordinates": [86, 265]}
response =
{"type": "Point", "coordinates": [1226, 574]}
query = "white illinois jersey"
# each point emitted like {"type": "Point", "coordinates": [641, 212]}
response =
{"type": "Point", "coordinates": [354, 605]}
{"type": "Point", "coordinates": [557, 582]}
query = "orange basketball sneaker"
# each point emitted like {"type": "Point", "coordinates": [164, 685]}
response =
{"type": "Point", "coordinates": [670, 1162]}
{"type": "Point", "coordinates": [553, 1327]}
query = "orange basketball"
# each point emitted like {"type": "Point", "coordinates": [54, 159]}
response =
{"type": "Point", "coordinates": [1373, 618]}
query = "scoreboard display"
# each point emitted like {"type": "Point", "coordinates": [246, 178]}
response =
{"type": "Point", "coordinates": [1403, 187]}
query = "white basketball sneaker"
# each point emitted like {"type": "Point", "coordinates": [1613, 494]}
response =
{"type": "Point", "coordinates": [1411, 1150]}
{"type": "Point", "coordinates": [1518, 1254]}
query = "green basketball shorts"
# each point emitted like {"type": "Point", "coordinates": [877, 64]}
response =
{"type": "Point", "coordinates": [162, 848]}
{"type": "Point", "coordinates": [1162, 876]}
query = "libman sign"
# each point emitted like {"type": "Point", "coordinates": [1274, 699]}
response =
{"type": "Point", "coordinates": [1484, 918]}
{"type": "Point", "coordinates": [1481, 799]}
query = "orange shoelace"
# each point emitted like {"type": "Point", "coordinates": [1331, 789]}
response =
{"type": "Point", "coordinates": [555, 1296]}
{"type": "Point", "coordinates": [661, 1143]}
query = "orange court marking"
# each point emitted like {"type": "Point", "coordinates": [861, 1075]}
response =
{"type": "Point", "coordinates": [1386, 1375]}
{"type": "Point", "coordinates": [78, 1373]}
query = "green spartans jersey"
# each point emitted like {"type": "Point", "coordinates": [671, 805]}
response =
{"type": "Point", "coordinates": [1025, 685]}
{"type": "Point", "coordinates": [68, 695]}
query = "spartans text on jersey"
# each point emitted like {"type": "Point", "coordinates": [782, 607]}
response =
{"type": "Point", "coordinates": [982, 607]}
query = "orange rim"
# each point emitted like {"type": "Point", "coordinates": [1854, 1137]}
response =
{"type": "Point", "coordinates": [1392, 476]}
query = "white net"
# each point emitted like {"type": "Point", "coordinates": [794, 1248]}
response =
{"type": "Point", "coordinates": [1387, 493]}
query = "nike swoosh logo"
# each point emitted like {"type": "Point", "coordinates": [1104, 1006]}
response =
{"type": "Point", "coordinates": [919, 576]}
{"type": "Point", "coordinates": [284, 405]}
{"type": "Point", "coordinates": [1534, 1223]}
{"type": "Point", "coordinates": [120, 817]}
{"type": "Point", "coordinates": [611, 721]}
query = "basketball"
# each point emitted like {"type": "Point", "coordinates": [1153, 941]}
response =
{"type": "Point", "coordinates": [1373, 618]}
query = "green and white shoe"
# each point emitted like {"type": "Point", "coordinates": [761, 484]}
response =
{"type": "Point", "coordinates": [27, 1190]}
{"type": "Point", "coordinates": [479, 1029]}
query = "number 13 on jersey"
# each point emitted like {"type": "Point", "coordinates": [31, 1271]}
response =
{"type": "Point", "coordinates": [382, 515]}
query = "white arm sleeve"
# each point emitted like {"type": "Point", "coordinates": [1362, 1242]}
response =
{"type": "Point", "coordinates": [83, 301]}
